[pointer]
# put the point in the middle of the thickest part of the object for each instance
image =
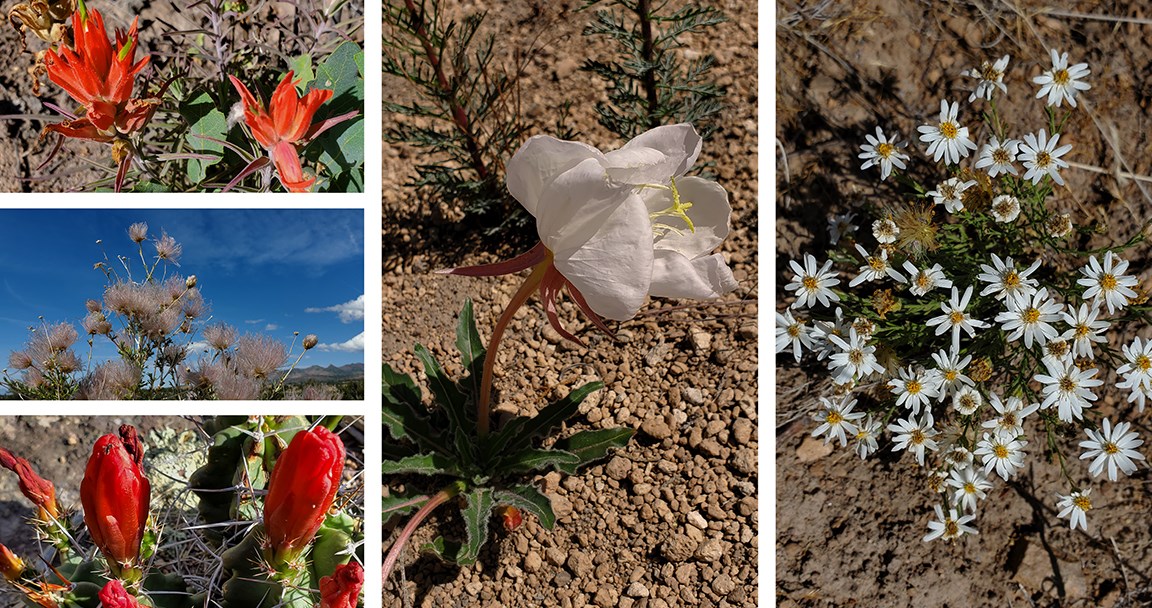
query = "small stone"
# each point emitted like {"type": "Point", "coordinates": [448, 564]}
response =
{"type": "Point", "coordinates": [641, 489]}
{"type": "Point", "coordinates": [812, 449]}
{"type": "Point", "coordinates": [561, 506]}
{"type": "Point", "coordinates": [747, 506]}
{"type": "Point", "coordinates": [711, 448]}
{"type": "Point", "coordinates": [745, 461]}
{"type": "Point", "coordinates": [686, 574]}
{"type": "Point", "coordinates": [637, 589]}
{"type": "Point", "coordinates": [555, 556]}
{"type": "Point", "coordinates": [693, 395]}
{"type": "Point", "coordinates": [656, 428]}
{"type": "Point", "coordinates": [618, 468]}
{"type": "Point", "coordinates": [696, 519]}
{"type": "Point", "coordinates": [723, 585]}
{"type": "Point", "coordinates": [532, 562]}
{"type": "Point", "coordinates": [580, 564]}
{"type": "Point", "coordinates": [742, 431]}
{"type": "Point", "coordinates": [606, 597]}
{"type": "Point", "coordinates": [474, 587]}
{"type": "Point", "coordinates": [748, 332]}
{"type": "Point", "coordinates": [551, 335]}
{"type": "Point", "coordinates": [678, 548]}
{"type": "Point", "coordinates": [710, 550]}
{"type": "Point", "coordinates": [701, 341]}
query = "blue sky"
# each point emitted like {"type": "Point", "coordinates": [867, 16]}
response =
{"type": "Point", "coordinates": [269, 271]}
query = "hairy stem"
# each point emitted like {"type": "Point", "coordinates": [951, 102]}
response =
{"type": "Point", "coordinates": [438, 499]}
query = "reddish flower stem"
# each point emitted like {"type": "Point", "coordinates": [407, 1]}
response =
{"type": "Point", "coordinates": [438, 499]}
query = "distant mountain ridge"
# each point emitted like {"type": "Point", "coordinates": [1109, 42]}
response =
{"type": "Point", "coordinates": [330, 373]}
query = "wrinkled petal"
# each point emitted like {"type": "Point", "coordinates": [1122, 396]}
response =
{"type": "Point", "coordinates": [81, 128]}
{"type": "Point", "coordinates": [654, 156]}
{"type": "Point", "coordinates": [675, 276]}
{"type": "Point", "coordinates": [613, 269]}
{"type": "Point", "coordinates": [539, 162]}
{"type": "Point", "coordinates": [710, 214]}
{"type": "Point", "coordinates": [288, 169]}
{"type": "Point", "coordinates": [575, 206]}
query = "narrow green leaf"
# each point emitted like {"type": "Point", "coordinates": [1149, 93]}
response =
{"type": "Point", "coordinates": [419, 464]}
{"type": "Point", "coordinates": [467, 338]}
{"type": "Point", "coordinates": [453, 401]}
{"type": "Point", "coordinates": [476, 516]}
{"type": "Point", "coordinates": [588, 446]}
{"type": "Point", "coordinates": [529, 459]}
{"type": "Point", "coordinates": [528, 498]}
{"type": "Point", "coordinates": [519, 433]}
{"type": "Point", "coordinates": [403, 412]}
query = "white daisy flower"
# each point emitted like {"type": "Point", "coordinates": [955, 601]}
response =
{"type": "Point", "coordinates": [1012, 414]}
{"type": "Point", "coordinates": [885, 230]}
{"type": "Point", "coordinates": [812, 285]}
{"type": "Point", "coordinates": [967, 400]}
{"type": "Point", "coordinates": [1140, 389]}
{"type": "Point", "coordinates": [838, 326]}
{"type": "Point", "coordinates": [947, 139]}
{"type": "Point", "coordinates": [1056, 351]}
{"type": "Point", "coordinates": [914, 435]}
{"type": "Point", "coordinates": [1007, 282]}
{"type": "Point", "coordinates": [998, 156]}
{"type": "Point", "coordinates": [1069, 388]}
{"type": "Point", "coordinates": [856, 360]}
{"type": "Point", "coordinates": [1086, 329]}
{"type": "Point", "coordinates": [1114, 447]}
{"type": "Point", "coordinates": [950, 193]}
{"type": "Point", "coordinates": [955, 318]}
{"type": "Point", "coordinates": [914, 388]}
{"type": "Point", "coordinates": [921, 281]}
{"type": "Point", "coordinates": [971, 485]}
{"type": "Point", "coordinates": [1058, 225]}
{"type": "Point", "coordinates": [840, 226]}
{"type": "Point", "coordinates": [1075, 507]}
{"type": "Point", "coordinates": [1041, 157]}
{"type": "Point", "coordinates": [1030, 317]}
{"type": "Point", "coordinates": [790, 332]}
{"type": "Point", "coordinates": [1108, 282]}
{"type": "Point", "coordinates": [1137, 371]}
{"type": "Point", "coordinates": [866, 435]}
{"type": "Point", "coordinates": [949, 528]}
{"type": "Point", "coordinates": [1004, 453]}
{"type": "Point", "coordinates": [883, 152]}
{"type": "Point", "coordinates": [989, 77]}
{"type": "Point", "coordinates": [837, 420]}
{"type": "Point", "coordinates": [1005, 208]}
{"type": "Point", "coordinates": [875, 267]}
{"type": "Point", "coordinates": [1061, 83]}
{"type": "Point", "coordinates": [958, 457]}
{"type": "Point", "coordinates": [950, 367]}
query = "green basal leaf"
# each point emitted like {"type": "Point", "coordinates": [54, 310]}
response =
{"type": "Point", "coordinates": [529, 459]}
{"type": "Point", "coordinates": [420, 464]}
{"type": "Point", "coordinates": [518, 434]}
{"type": "Point", "coordinates": [528, 498]}
{"type": "Point", "coordinates": [404, 414]}
{"type": "Point", "coordinates": [396, 504]}
{"type": "Point", "coordinates": [476, 517]}
{"type": "Point", "coordinates": [588, 446]}
{"type": "Point", "coordinates": [468, 340]}
{"type": "Point", "coordinates": [455, 404]}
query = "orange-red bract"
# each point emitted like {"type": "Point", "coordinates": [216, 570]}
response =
{"type": "Point", "coordinates": [115, 496]}
{"type": "Point", "coordinates": [301, 489]}
{"type": "Point", "coordinates": [342, 588]}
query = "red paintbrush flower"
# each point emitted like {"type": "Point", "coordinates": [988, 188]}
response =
{"type": "Point", "coordinates": [115, 495]}
{"type": "Point", "coordinates": [301, 489]}
{"type": "Point", "coordinates": [37, 489]}
{"type": "Point", "coordinates": [342, 588]}
{"type": "Point", "coordinates": [286, 123]}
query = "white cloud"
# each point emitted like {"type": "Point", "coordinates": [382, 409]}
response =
{"type": "Point", "coordinates": [352, 310]}
{"type": "Point", "coordinates": [271, 327]}
{"type": "Point", "coordinates": [351, 346]}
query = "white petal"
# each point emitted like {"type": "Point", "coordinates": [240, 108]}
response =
{"type": "Point", "coordinates": [710, 215]}
{"type": "Point", "coordinates": [577, 204]}
{"type": "Point", "coordinates": [654, 156]}
{"type": "Point", "coordinates": [540, 161]}
{"type": "Point", "coordinates": [675, 276]}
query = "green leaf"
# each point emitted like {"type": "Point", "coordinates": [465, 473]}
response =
{"type": "Point", "coordinates": [476, 517]}
{"type": "Point", "coordinates": [588, 446]}
{"type": "Point", "coordinates": [205, 121]}
{"type": "Point", "coordinates": [467, 338]}
{"type": "Point", "coordinates": [342, 147]}
{"type": "Point", "coordinates": [518, 433]}
{"type": "Point", "coordinates": [528, 498]}
{"type": "Point", "coordinates": [454, 402]}
{"type": "Point", "coordinates": [301, 67]}
{"type": "Point", "coordinates": [403, 412]}
{"type": "Point", "coordinates": [528, 459]}
{"type": "Point", "coordinates": [420, 464]}
{"type": "Point", "coordinates": [399, 504]}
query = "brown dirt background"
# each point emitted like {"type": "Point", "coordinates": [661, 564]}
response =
{"type": "Point", "coordinates": [849, 532]}
{"type": "Point", "coordinates": [671, 520]}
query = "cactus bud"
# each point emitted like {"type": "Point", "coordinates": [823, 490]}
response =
{"type": "Point", "coordinates": [11, 566]}
{"type": "Point", "coordinates": [310, 341]}
{"type": "Point", "coordinates": [115, 495]}
{"type": "Point", "coordinates": [114, 595]}
{"type": "Point", "coordinates": [37, 489]}
{"type": "Point", "coordinates": [342, 588]}
{"type": "Point", "coordinates": [301, 489]}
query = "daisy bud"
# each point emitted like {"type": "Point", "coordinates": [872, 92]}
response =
{"type": "Point", "coordinates": [114, 494]}
{"type": "Point", "coordinates": [11, 566]}
{"type": "Point", "coordinates": [114, 595]}
{"type": "Point", "coordinates": [301, 489]}
{"type": "Point", "coordinates": [342, 588]}
{"type": "Point", "coordinates": [310, 341]}
{"type": "Point", "coordinates": [37, 489]}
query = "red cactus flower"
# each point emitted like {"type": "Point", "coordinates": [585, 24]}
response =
{"type": "Point", "coordinates": [300, 491]}
{"type": "Point", "coordinates": [115, 495]}
{"type": "Point", "coordinates": [114, 595]}
{"type": "Point", "coordinates": [342, 588]}
{"type": "Point", "coordinates": [12, 566]}
{"type": "Point", "coordinates": [100, 77]}
{"type": "Point", "coordinates": [286, 123]}
{"type": "Point", "coordinates": [37, 489]}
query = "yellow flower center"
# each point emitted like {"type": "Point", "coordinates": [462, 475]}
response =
{"type": "Point", "coordinates": [913, 387]}
{"type": "Point", "coordinates": [1081, 332]}
{"type": "Point", "coordinates": [794, 330]}
{"type": "Point", "coordinates": [856, 356]}
{"type": "Point", "coordinates": [810, 283]}
{"type": "Point", "coordinates": [1111, 448]}
{"type": "Point", "coordinates": [949, 130]}
{"type": "Point", "coordinates": [1082, 503]}
{"type": "Point", "coordinates": [1000, 156]}
{"type": "Point", "coordinates": [951, 529]}
{"type": "Point", "coordinates": [1067, 385]}
{"type": "Point", "coordinates": [923, 281]}
{"type": "Point", "coordinates": [918, 437]}
{"type": "Point", "coordinates": [885, 150]}
{"type": "Point", "coordinates": [1061, 77]}
{"type": "Point", "coordinates": [988, 71]}
{"type": "Point", "coordinates": [678, 210]}
{"type": "Point", "coordinates": [833, 418]}
{"type": "Point", "coordinates": [877, 263]}
{"type": "Point", "coordinates": [1030, 315]}
{"type": "Point", "coordinates": [1000, 450]}
{"type": "Point", "coordinates": [1043, 159]}
{"type": "Point", "coordinates": [956, 317]}
{"type": "Point", "coordinates": [1143, 362]}
{"type": "Point", "coordinates": [1108, 282]}
{"type": "Point", "coordinates": [1011, 279]}
{"type": "Point", "coordinates": [951, 375]}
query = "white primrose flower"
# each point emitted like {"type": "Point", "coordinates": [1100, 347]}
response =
{"type": "Point", "coordinates": [1002, 452]}
{"type": "Point", "coordinates": [1108, 282]}
{"type": "Point", "coordinates": [1069, 388]}
{"type": "Point", "coordinates": [1007, 282]}
{"type": "Point", "coordinates": [875, 267]}
{"type": "Point", "coordinates": [618, 227]}
{"type": "Point", "coordinates": [790, 332]}
{"type": "Point", "coordinates": [955, 318]}
{"type": "Point", "coordinates": [812, 285]}
{"type": "Point", "coordinates": [1061, 83]}
{"type": "Point", "coordinates": [837, 420]}
{"type": "Point", "coordinates": [950, 193]}
{"type": "Point", "coordinates": [989, 77]}
{"type": "Point", "coordinates": [1031, 318]}
{"type": "Point", "coordinates": [1005, 208]}
{"type": "Point", "coordinates": [1075, 507]}
{"type": "Point", "coordinates": [998, 156]}
{"type": "Point", "coordinates": [841, 226]}
{"type": "Point", "coordinates": [915, 387]}
{"type": "Point", "coordinates": [921, 281]}
{"type": "Point", "coordinates": [1085, 329]}
{"type": "Point", "coordinates": [914, 435]}
{"type": "Point", "coordinates": [1041, 157]}
{"type": "Point", "coordinates": [1114, 447]}
{"type": "Point", "coordinates": [866, 434]}
{"type": "Point", "coordinates": [883, 152]}
{"type": "Point", "coordinates": [947, 139]}
{"type": "Point", "coordinates": [885, 230]}
{"type": "Point", "coordinates": [967, 400]}
{"type": "Point", "coordinates": [971, 485]}
{"type": "Point", "coordinates": [951, 370]}
{"type": "Point", "coordinates": [855, 360]}
{"type": "Point", "coordinates": [949, 528]}
{"type": "Point", "coordinates": [1012, 413]}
